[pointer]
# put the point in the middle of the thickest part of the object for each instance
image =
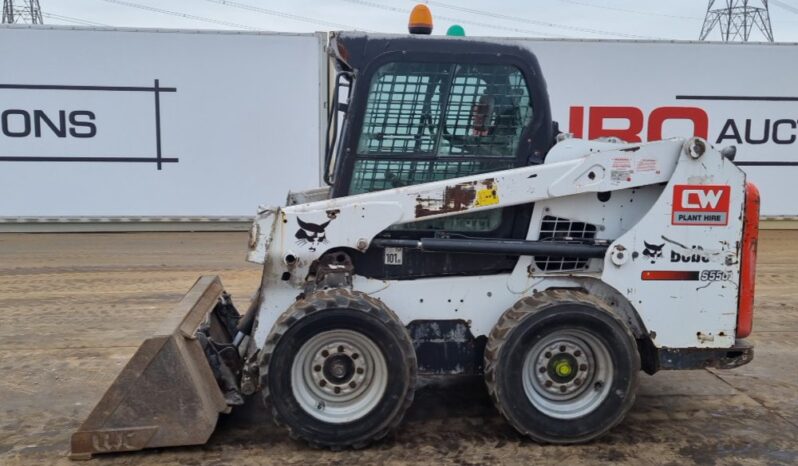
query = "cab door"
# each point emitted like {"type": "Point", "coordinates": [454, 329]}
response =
{"type": "Point", "coordinates": [429, 120]}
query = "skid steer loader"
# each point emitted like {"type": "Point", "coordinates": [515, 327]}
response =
{"type": "Point", "coordinates": [460, 233]}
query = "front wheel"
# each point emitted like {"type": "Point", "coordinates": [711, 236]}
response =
{"type": "Point", "coordinates": [338, 369]}
{"type": "Point", "coordinates": [561, 367]}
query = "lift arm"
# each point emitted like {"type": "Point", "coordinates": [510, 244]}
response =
{"type": "Point", "coordinates": [297, 235]}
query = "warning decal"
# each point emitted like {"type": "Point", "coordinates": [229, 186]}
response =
{"type": "Point", "coordinates": [487, 197]}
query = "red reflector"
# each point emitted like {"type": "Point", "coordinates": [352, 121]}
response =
{"type": "Point", "coordinates": [745, 310]}
{"type": "Point", "coordinates": [670, 275]}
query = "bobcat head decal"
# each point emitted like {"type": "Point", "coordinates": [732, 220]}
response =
{"type": "Point", "coordinates": [311, 233]}
{"type": "Point", "coordinates": [653, 251]}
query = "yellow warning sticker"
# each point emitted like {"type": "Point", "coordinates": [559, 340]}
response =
{"type": "Point", "coordinates": [487, 197]}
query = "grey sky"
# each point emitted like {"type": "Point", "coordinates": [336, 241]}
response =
{"type": "Point", "coordinates": [609, 19]}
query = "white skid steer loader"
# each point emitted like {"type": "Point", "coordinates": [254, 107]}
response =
{"type": "Point", "coordinates": [460, 234]}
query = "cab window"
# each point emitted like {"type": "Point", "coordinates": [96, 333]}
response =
{"type": "Point", "coordinates": [432, 121]}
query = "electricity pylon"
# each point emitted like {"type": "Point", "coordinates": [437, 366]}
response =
{"type": "Point", "coordinates": [22, 11]}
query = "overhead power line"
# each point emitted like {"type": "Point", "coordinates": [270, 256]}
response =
{"type": "Point", "coordinates": [627, 10]}
{"type": "Point", "coordinates": [180, 14]}
{"type": "Point", "coordinates": [70, 19]}
{"type": "Point", "coordinates": [505, 17]}
{"type": "Point", "coordinates": [281, 14]}
{"type": "Point", "coordinates": [404, 11]}
{"type": "Point", "coordinates": [785, 6]}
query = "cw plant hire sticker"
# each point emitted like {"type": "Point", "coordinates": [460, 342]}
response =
{"type": "Point", "coordinates": [706, 205]}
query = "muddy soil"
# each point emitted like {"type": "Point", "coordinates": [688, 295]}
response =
{"type": "Point", "coordinates": [74, 307]}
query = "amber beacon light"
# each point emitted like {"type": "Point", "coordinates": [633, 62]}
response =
{"type": "Point", "coordinates": [420, 20]}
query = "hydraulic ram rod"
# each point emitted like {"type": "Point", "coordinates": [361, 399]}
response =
{"type": "Point", "coordinates": [498, 246]}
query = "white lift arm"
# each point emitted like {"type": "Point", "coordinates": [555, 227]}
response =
{"type": "Point", "coordinates": [302, 233]}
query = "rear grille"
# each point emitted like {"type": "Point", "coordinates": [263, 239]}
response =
{"type": "Point", "coordinates": [562, 229]}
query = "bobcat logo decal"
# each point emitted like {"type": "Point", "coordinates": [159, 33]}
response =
{"type": "Point", "coordinates": [653, 251]}
{"type": "Point", "coordinates": [311, 233]}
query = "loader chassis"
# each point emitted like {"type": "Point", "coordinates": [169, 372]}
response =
{"type": "Point", "coordinates": [459, 237]}
{"type": "Point", "coordinates": [559, 188]}
{"type": "Point", "coordinates": [656, 297]}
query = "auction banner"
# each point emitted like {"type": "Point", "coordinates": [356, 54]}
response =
{"type": "Point", "coordinates": [124, 123]}
{"type": "Point", "coordinates": [149, 123]}
{"type": "Point", "coordinates": [732, 94]}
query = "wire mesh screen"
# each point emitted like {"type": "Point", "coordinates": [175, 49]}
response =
{"type": "Point", "coordinates": [562, 229]}
{"type": "Point", "coordinates": [485, 110]}
{"type": "Point", "coordinates": [433, 121]}
{"type": "Point", "coordinates": [404, 102]}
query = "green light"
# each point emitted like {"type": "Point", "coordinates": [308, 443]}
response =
{"type": "Point", "coordinates": [455, 30]}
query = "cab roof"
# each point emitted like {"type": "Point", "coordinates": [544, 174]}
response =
{"type": "Point", "coordinates": [355, 50]}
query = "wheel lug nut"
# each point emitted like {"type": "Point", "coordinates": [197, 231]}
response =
{"type": "Point", "coordinates": [548, 355]}
{"type": "Point", "coordinates": [325, 353]}
{"type": "Point", "coordinates": [352, 384]}
{"type": "Point", "coordinates": [577, 353]}
{"type": "Point", "coordinates": [562, 388]}
{"type": "Point", "coordinates": [355, 355]}
{"type": "Point", "coordinates": [583, 367]}
{"type": "Point", "coordinates": [317, 368]}
{"type": "Point", "coordinates": [562, 348]}
{"type": "Point", "coordinates": [322, 382]}
{"type": "Point", "coordinates": [542, 369]}
{"type": "Point", "coordinates": [359, 370]}
{"type": "Point", "coordinates": [578, 382]}
{"type": "Point", "coordinates": [548, 383]}
{"type": "Point", "coordinates": [337, 390]}
{"type": "Point", "coordinates": [341, 349]}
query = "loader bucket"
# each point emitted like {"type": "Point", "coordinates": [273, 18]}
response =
{"type": "Point", "coordinates": [167, 394]}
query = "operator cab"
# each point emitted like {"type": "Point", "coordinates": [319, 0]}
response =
{"type": "Point", "coordinates": [420, 109]}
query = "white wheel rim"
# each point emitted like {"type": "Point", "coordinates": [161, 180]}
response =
{"type": "Point", "coordinates": [339, 376]}
{"type": "Point", "coordinates": [568, 374]}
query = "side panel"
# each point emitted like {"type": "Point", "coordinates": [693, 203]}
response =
{"type": "Point", "coordinates": [680, 266]}
{"type": "Point", "coordinates": [235, 121]}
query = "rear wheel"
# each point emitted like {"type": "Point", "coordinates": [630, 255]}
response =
{"type": "Point", "coordinates": [561, 367]}
{"type": "Point", "coordinates": [338, 369]}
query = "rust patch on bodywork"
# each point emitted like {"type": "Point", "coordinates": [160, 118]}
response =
{"type": "Point", "coordinates": [456, 198]}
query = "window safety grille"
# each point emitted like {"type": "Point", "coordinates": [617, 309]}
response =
{"type": "Point", "coordinates": [486, 108]}
{"type": "Point", "coordinates": [427, 122]}
{"type": "Point", "coordinates": [403, 104]}
{"type": "Point", "coordinates": [562, 229]}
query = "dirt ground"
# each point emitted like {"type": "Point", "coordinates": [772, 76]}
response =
{"type": "Point", "coordinates": [74, 307]}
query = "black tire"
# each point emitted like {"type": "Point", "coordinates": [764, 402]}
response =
{"type": "Point", "coordinates": [530, 325]}
{"type": "Point", "coordinates": [338, 310]}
